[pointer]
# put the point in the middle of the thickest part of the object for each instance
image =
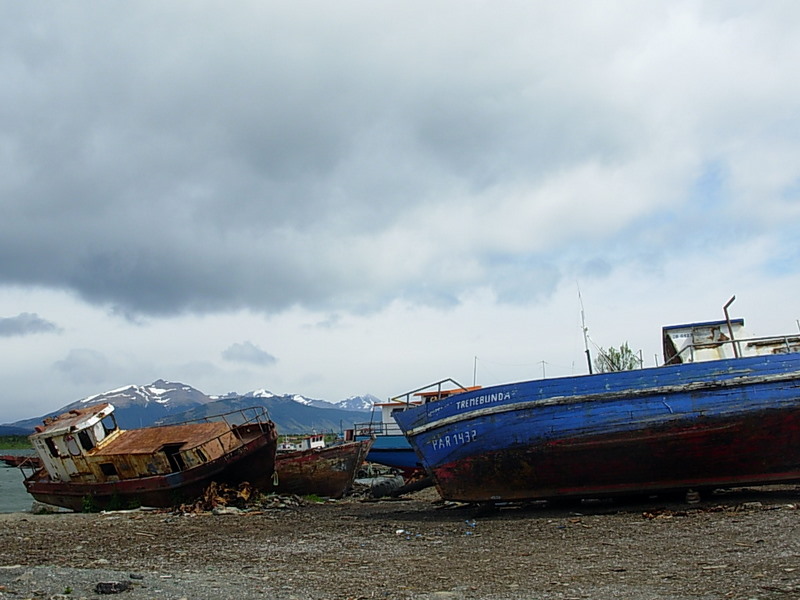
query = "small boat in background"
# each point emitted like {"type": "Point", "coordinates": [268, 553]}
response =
{"type": "Point", "coordinates": [17, 460]}
{"type": "Point", "coordinates": [313, 468]}
{"type": "Point", "coordinates": [724, 412]}
{"type": "Point", "coordinates": [88, 462]}
{"type": "Point", "coordinates": [391, 448]}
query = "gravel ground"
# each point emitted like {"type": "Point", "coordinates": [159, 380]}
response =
{"type": "Point", "coordinates": [743, 544]}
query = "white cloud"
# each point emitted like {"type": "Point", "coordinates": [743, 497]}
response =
{"type": "Point", "coordinates": [248, 352]}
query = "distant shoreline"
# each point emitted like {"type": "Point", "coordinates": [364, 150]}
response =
{"type": "Point", "coordinates": [15, 442]}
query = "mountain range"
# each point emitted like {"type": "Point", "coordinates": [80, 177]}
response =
{"type": "Point", "coordinates": [168, 402]}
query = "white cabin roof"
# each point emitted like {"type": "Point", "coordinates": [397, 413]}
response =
{"type": "Point", "coordinates": [74, 420]}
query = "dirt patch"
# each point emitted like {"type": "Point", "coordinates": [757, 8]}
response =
{"type": "Point", "coordinates": [742, 544]}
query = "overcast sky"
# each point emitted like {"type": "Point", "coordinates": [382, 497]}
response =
{"type": "Point", "coordinates": [340, 198]}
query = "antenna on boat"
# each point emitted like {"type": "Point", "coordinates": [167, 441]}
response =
{"type": "Point", "coordinates": [585, 332]}
{"type": "Point", "coordinates": [475, 372]}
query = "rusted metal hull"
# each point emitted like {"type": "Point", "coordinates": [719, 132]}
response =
{"type": "Point", "coordinates": [327, 472]}
{"type": "Point", "coordinates": [252, 461]}
{"type": "Point", "coordinates": [701, 425]}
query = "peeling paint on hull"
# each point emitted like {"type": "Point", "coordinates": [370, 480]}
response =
{"type": "Point", "coordinates": [699, 425]}
{"type": "Point", "coordinates": [326, 472]}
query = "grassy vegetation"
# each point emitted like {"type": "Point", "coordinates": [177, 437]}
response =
{"type": "Point", "coordinates": [14, 442]}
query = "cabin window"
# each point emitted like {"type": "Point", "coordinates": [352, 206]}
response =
{"type": "Point", "coordinates": [99, 432]}
{"type": "Point", "coordinates": [51, 445]}
{"type": "Point", "coordinates": [72, 445]}
{"type": "Point", "coordinates": [109, 424]}
{"type": "Point", "coordinates": [173, 452]}
{"type": "Point", "coordinates": [201, 455]}
{"type": "Point", "coordinates": [108, 469]}
{"type": "Point", "coordinates": [86, 440]}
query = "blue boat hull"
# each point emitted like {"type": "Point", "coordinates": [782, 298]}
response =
{"type": "Point", "coordinates": [394, 451]}
{"type": "Point", "coordinates": [697, 425]}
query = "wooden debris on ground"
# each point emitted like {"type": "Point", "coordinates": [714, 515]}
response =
{"type": "Point", "coordinates": [243, 497]}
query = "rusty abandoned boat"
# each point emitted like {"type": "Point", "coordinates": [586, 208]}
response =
{"type": "Point", "coordinates": [87, 461]}
{"type": "Point", "coordinates": [314, 468]}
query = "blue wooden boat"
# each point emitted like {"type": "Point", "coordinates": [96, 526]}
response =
{"type": "Point", "coordinates": [724, 411]}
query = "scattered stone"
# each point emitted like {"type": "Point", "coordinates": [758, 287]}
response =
{"type": "Point", "coordinates": [113, 587]}
{"type": "Point", "coordinates": [40, 508]}
{"type": "Point", "coordinates": [385, 486]}
{"type": "Point", "coordinates": [226, 510]}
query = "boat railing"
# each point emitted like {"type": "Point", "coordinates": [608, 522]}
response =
{"type": "Point", "coordinates": [240, 416]}
{"type": "Point", "coordinates": [252, 417]}
{"type": "Point", "coordinates": [377, 428]}
{"type": "Point", "coordinates": [237, 421]}
{"type": "Point", "coordinates": [406, 397]}
{"type": "Point", "coordinates": [380, 427]}
{"type": "Point", "coordinates": [29, 466]}
{"type": "Point", "coordinates": [780, 343]}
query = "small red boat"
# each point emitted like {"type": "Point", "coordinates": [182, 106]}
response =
{"type": "Point", "coordinates": [17, 460]}
{"type": "Point", "coordinates": [316, 469]}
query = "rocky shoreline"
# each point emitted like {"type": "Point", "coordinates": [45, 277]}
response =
{"type": "Point", "coordinates": [742, 544]}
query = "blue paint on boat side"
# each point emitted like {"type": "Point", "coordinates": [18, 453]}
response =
{"type": "Point", "coordinates": [390, 442]}
{"type": "Point", "coordinates": [522, 415]}
{"type": "Point", "coordinates": [393, 451]}
{"type": "Point", "coordinates": [399, 459]}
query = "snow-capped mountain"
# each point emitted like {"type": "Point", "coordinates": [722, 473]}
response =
{"type": "Point", "coordinates": [361, 403]}
{"type": "Point", "coordinates": [305, 401]}
{"type": "Point", "coordinates": [171, 395]}
{"type": "Point", "coordinates": [264, 394]}
{"type": "Point", "coordinates": [365, 402]}
{"type": "Point", "coordinates": [139, 405]}
{"type": "Point", "coordinates": [166, 401]}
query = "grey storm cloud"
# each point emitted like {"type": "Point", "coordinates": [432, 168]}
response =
{"type": "Point", "coordinates": [26, 324]}
{"type": "Point", "coordinates": [163, 159]}
{"type": "Point", "coordinates": [230, 166]}
{"type": "Point", "coordinates": [247, 352]}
